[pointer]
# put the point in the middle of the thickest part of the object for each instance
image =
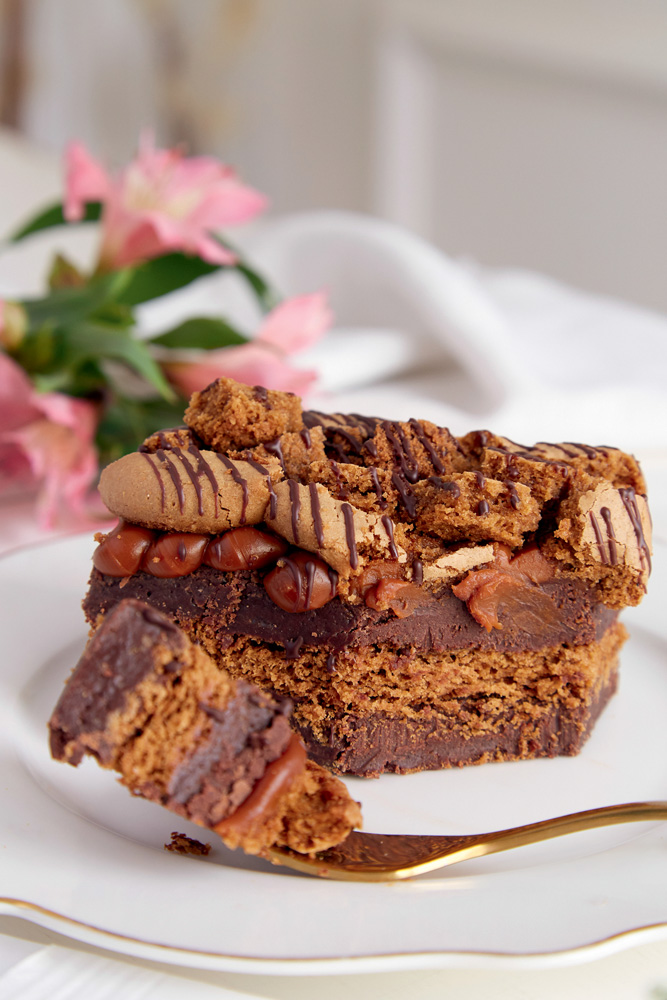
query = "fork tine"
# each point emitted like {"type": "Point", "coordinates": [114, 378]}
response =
{"type": "Point", "coordinates": [376, 857]}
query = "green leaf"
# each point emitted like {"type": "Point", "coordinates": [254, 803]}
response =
{"type": "Point", "coordinates": [160, 276]}
{"type": "Point", "coordinates": [264, 293]}
{"type": "Point", "coordinates": [125, 423]}
{"type": "Point", "coordinates": [114, 314]}
{"type": "Point", "coordinates": [53, 216]}
{"type": "Point", "coordinates": [267, 297]}
{"type": "Point", "coordinates": [38, 350]}
{"type": "Point", "coordinates": [64, 306]}
{"type": "Point", "coordinates": [201, 333]}
{"type": "Point", "coordinates": [86, 380]}
{"type": "Point", "coordinates": [94, 342]}
{"type": "Point", "coordinates": [172, 271]}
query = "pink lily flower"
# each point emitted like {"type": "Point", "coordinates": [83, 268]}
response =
{"type": "Point", "coordinates": [292, 326]}
{"type": "Point", "coordinates": [85, 180]}
{"type": "Point", "coordinates": [160, 203]}
{"type": "Point", "coordinates": [297, 323]}
{"type": "Point", "coordinates": [46, 439]}
{"type": "Point", "coordinates": [254, 364]}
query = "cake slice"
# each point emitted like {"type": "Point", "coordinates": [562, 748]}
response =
{"type": "Point", "coordinates": [147, 703]}
{"type": "Point", "coordinates": [424, 600]}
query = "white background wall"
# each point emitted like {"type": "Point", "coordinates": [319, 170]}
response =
{"type": "Point", "coordinates": [523, 133]}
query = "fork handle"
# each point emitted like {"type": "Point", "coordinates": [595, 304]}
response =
{"type": "Point", "coordinates": [533, 833]}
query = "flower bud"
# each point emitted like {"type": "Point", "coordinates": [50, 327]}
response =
{"type": "Point", "coordinates": [13, 324]}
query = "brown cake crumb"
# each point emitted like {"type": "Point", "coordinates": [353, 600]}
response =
{"type": "Point", "coordinates": [318, 795]}
{"type": "Point", "coordinates": [468, 505]}
{"type": "Point", "coordinates": [296, 453]}
{"type": "Point", "coordinates": [229, 415]}
{"type": "Point", "coordinates": [174, 437]}
{"type": "Point", "coordinates": [418, 447]}
{"type": "Point", "coordinates": [182, 844]}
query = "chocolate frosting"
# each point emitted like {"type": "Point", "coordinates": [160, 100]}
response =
{"type": "Point", "coordinates": [114, 662]}
{"type": "Point", "coordinates": [237, 604]}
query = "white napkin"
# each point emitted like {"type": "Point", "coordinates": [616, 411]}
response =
{"type": "Point", "coordinates": [56, 973]}
{"type": "Point", "coordinates": [418, 333]}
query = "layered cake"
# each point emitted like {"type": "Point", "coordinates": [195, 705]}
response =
{"type": "Point", "coordinates": [424, 600]}
{"type": "Point", "coordinates": [147, 703]}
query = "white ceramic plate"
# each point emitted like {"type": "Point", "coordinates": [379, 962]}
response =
{"type": "Point", "coordinates": [81, 856]}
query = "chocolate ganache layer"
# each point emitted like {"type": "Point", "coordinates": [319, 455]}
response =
{"type": "Point", "coordinates": [366, 746]}
{"type": "Point", "coordinates": [237, 604]}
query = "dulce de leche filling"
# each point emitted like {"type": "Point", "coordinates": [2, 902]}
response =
{"type": "Point", "coordinates": [265, 796]}
{"type": "Point", "coordinates": [509, 586]}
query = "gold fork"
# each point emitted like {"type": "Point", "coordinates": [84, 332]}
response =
{"type": "Point", "coordinates": [376, 857]}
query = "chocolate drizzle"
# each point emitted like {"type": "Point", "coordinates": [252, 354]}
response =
{"type": "Point", "coordinates": [347, 436]}
{"type": "Point", "coordinates": [149, 459]}
{"type": "Point", "coordinates": [512, 466]}
{"type": "Point", "coordinates": [446, 485]}
{"type": "Point", "coordinates": [194, 479]}
{"type": "Point", "coordinates": [341, 491]}
{"type": "Point", "coordinates": [515, 499]}
{"type": "Point", "coordinates": [316, 511]}
{"type": "Point", "coordinates": [348, 516]}
{"type": "Point", "coordinates": [331, 663]}
{"type": "Point", "coordinates": [275, 448]}
{"type": "Point", "coordinates": [240, 481]}
{"type": "Point", "coordinates": [203, 468]}
{"type": "Point", "coordinates": [576, 449]}
{"type": "Point", "coordinates": [405, 494]}
{"type": "Point", "coordinates": [417, 570]}
{"type": "Point", "coordinates": [333, 581]}
{"type": "Point", "coordinates": [373, 473]}
{"type": "Point", "coordinates": [295, 502]}
{"type": "Point", "coordinates": [388, 526]}
{"type": "Point", "coordinates": [599, 538]}
{"type": "Point", "coordinates": [482, 508]}
{"type": "Point", "coordinates": [262, 395]}
{"type": "Point", "coordinates": [304, 434]}
{"type": "Point", "coordinates": [273, 499]}
{"type": "Point", "coordinates": [629, 498]}
{"type": "Point", "coordinates": [293, 648]}
{"type": "Point", "coordinates": [613, 551]}
{"type": "Point", "coordinates": [402, 452]}
{"type": "Point", "coordinates": [174, 476]}
{"type": "Point", "coordinates": [337, 423]}
{"type": "Point", "coordinates": [420, 433]}
{"type": "Point", "coordinates": [310, 579]}
{"type": "Point", "coordinates": [366, 425]}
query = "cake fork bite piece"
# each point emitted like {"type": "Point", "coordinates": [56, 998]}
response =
{"type": "Point", "coordinates": [149, 704]}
